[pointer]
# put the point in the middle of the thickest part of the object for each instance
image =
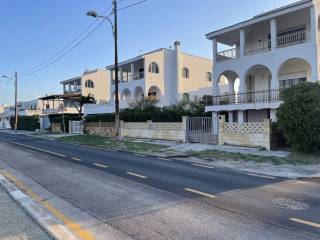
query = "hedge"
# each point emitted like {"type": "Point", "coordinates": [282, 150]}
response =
{"type": "Point", "coordinates": [28, 123]}
{"type": "Point", "coordinates": [156, 114]}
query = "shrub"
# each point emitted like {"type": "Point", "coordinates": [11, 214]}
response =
{"type": "Point", "coordinates": [299, 116]}
{"type": "Point", "coordinates": [28, 123]}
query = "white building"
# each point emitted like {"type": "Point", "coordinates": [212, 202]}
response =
{"type": "Point", "coordinates": [260, 56]}
{"type": "Point", "coordinates": [167, 75]}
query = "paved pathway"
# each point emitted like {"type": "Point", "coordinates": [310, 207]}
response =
{"type": "Point", "coordinates": [15, 224]}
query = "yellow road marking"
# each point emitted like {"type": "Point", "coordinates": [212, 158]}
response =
{"type": "Point", "coordinates": [100, 165]}
{"type": "Point", "coordinates": [258, 175]}
{"type": "Point", "coordinates": [73, 226]}
{"type": "Point", "coordinates": [200, 193]}
{"type": "Point", "coordinates": [312, 224]}
{"type": "Point", "coordinates": [39, 149]}
{"type": "Point", "coordinates": [198, 165]}
{"type": "Point", "coordinates": [136, 175]}
{"type": "Point", "coordinates": [76, 159]}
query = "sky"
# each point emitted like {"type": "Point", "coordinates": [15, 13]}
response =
{"type": "Point", "coordinates": [33, 31]}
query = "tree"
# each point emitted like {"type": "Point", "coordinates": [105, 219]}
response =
{"type": "Point", "coordinates": [299, 116]}
{"type": "Point", "coordinates": [79, 102]}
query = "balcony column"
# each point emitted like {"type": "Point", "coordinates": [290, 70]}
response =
{"type": "Point", "coordinates": [231, 86]}
{"type": "Point", "coordinates": [69, 87]}
{"type": "Point", "coordinates": [111, 76]}
{"type": "Point", "coordinates": [216, 90]}
{"type": "Point", "coordinates": [215, 50]}
{"type": "Point", "coordinates": [313, 25]}
{"type": "Point", "coordinates": [242, 43]}
{"type": "Point", "coordinates": [273, 115]}
{"type": "Point", "coordinates": [120, 74]}
{"type": "Point", "coordinates": [274, 79]}
{"type": "Point", "coordinates": [132, 71]}
{"type": "Point", "coordinates": [273, 31]}
{"type": "Point", "coordinates": [240, 116]}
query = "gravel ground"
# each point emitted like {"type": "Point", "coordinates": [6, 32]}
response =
{"type": "Point", "coordinates": [15, 224]}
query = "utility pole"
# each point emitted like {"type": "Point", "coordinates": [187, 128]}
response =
{"type": "Point", "coordinates": [16, 101]}
{"type": "Point", "coordinates": [115, 30]}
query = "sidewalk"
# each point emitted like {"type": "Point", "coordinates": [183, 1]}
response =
{"type": "Point", "coordinates": [15, 224]}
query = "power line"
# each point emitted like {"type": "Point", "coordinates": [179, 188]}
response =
{"type": "Point", "coordinates": [67, 46]}
{"type": "Point", "coordinates": [65, 53]}
{"type": "Point", "coordinates": [132, 5]}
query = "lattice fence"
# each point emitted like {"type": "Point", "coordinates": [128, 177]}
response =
{"type": "Point", "coordinates": [135, 125]}
{"type": "Point", "coordinates": [250, 127]}
{"type": "Point", "coordinates": [154, 125]}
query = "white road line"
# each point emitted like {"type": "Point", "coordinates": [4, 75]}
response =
{"type": "Point", "coordinates": [165, 159]}
{"type": "Point", "coordinates": [200, 193]}
{"type": "Point", "coordinates": [139, 155]}
{"type": "Point", "coordinates": [136, 175]}
{"type": "Point", "coordinates": [39, 149]}
{"type": "Point", "coordinates": [100, 165]}
{"type": "Point", "coordinates": [198, 165]}
{"type": "Point", "coordinates": [76, 159]}
{"type": "Point", "coordinates": [312, 224]}
{"type": "Point", "coordinates": [258, 175]}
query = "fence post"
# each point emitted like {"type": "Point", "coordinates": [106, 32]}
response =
{"type": "Point", "coordinates": [267, 131]}
{"type": "Point", "coordinates": [121, 127]}
{"type": "Point", "coordinates": [150, 126]}
{"type": "Point", "coordinates": [185, 122]}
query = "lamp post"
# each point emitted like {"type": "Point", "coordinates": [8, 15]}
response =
{"type": "Point", "coordinates": [15, 100]}
{"type": "Point", "coordinates": [116, 64]}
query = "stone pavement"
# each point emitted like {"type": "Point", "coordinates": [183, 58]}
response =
{"type": "Point", "coordinates": [15, 224]}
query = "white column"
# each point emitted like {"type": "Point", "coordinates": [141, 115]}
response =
{"type": "Point", "coordinates": [240, 116]}
{"type": "Point", "coordinates": [111, 76]}
{"type": "Point", "coordinates": [215, 121]}
{"type": "Point", "coordinates": [69, 87]}
{"type": "Point", "coordinates": [132, 71]}
{"type": "Point", "coordinates": [242, 42]}
{"type": "Point", "coordinates": [214, 50]}
{"type": "Point", "coordinates": [273, 31]}
{"type": "Point", "coordinates": [273, 115]}
{"type": "Point", "coordinates": [216, 90]}
{"type": "Point", "coordinates": [313, 25]}
{"type": "Point", "coordinates": [64, 88]}
{"type": "Point", "coordinates": [243, 85]}
{"type": "Point", "coordinates": [231, 86]}
{"type": "Point", "coordinates": [274, 79]}
{"type": "Point", "coordinates": [121, 74]}
{"type": "Point", "coordinates": [230, 116]}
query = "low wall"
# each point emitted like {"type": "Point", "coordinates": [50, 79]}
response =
{"type": "Point", "coordinates": [250, 134]}
{"type": "Point", "coordinates": [155, 130]}
{"type": "Point", "coordinates": [102, 129]}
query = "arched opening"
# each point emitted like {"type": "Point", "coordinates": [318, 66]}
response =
{"type": "Point", "coordinates": [227, 82]}
{"type": "Point", "coordinates": [186, 97]}
{"type": "Point", "coordinates": [258, 77]}
{"type": "Point", "coordinates": [294, 71]}
{"type": "Point", "coordinates": [154, 93]}
{"type": "Point", "coordinates": [138, 94]}
{"type": "Point", "coordinates": [154, 68]}
{"type": "Point", "coordinates": [126, 95]}
{"type": "Point", "coordinates": [89, 84]}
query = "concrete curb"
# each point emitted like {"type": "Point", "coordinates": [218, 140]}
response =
{"type": "Point", "coordinates": [47, 221]}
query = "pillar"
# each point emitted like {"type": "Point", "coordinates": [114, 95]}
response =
{"type": "Point", "coordinates": [120, 74]}
{"type": "Point", "coordinates": [274, 79]}
{"type": "Point", "coordinates": [240, 116]}
{"type": "Point", "coordinates": [273, 115]}
{"type": "Point", "coordinates": [69, 87]}
{"type": "Point", "coordinates": [243, 85]}
{"type": "Point", "coordinates": [242, 43]}
{"type": "Point", "coordinates": [216, 90]}
{"type": "Point", "coordinates": [111, 76]}
{"type": "Point", "coordinates": [132, 72]}
{"type": "Point", "coordinates": [313, 25]}
{"type": "Point", "coordinates": [215, 49]}
{"type": "Point", "coordinates": [215, 125]}
{"type": "Point", "coordinates": [231, 86]}
{"type": "Point", "coordinates": [230, 116]}
{"type": "Point", "coordinates": [273, 31]}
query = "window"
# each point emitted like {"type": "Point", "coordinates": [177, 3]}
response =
{"type": "Point", "coordinates": [89, 84]}
{"type": "Point", "coordinates": [153, 68]}
{"type": "Point", "coordinates": [186, 97]}
{"type": "Point", "coordinates": [185, 72]}
{"type": "Point", "coordinates": [290, 82]}
{"type": "Point", "coordinates": [209, 76]}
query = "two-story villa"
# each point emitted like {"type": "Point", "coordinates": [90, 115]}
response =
{"type": "Point", "coordinates": [258, 57]}
{"type": "Point", "coordinates": [168, 75]}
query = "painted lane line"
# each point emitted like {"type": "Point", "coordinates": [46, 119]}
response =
{"type": "Point", "coordinates": [261, 176]}
{"type": "Point", "coordinates": [139, 155]}
{"type": "Point", "coordinates": [76, 159]}
{"type": "Point", "coordinates": [312, 224]}
{"type": "Point", "coordinates": [39, 149]}
{"type": "Point", "coordinates": [136, 175]}
{"type": "Point", "coordinates": [100, 165]}
{"type": "Point", "coordinates": [200, 193]}
{"type": "Point", "coordinates": [203, 166]}
{"type": "Point", "coordinates": [165, 159]}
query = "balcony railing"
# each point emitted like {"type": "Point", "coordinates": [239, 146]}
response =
{"type": "Point", "coordinates": [261, 46]}
{"type": "Point", "coordinates": [292, 39]}
{"type": "Point", "coordinates": [135, 76]}
{"type": "Point", "coordinates": [228, 54]}
{"type": "Point", "coordinates": [262, 96]}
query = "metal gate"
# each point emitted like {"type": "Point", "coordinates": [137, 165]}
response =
{"type": "Point", "coordinates": [203, 130]}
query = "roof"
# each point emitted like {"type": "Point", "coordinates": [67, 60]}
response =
{"type": "Point", "coordinates": [261, 17]}
{"type": "Point", "coordinates": [61, 96]}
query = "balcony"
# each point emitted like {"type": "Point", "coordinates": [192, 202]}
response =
{"type": "Point", "coordinates": [130, 77]}
{"type": "Point", "coordinates": [261, 96]}
{"type": "Point", "coordinates": [228, 54]}
{"type": "Point", "coordinates": [292, 39]}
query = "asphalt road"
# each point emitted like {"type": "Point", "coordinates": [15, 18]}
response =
{"type": "Point", "coordinates": [147, 197]}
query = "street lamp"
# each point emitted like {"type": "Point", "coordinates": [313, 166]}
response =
{"type": "Point", "coordinates": [116, 64]}
{"type": "Point", "coordinates": [15, 99]}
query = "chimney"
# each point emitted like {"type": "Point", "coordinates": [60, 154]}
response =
{"type": "Point", "coordinates": [177, 46]}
